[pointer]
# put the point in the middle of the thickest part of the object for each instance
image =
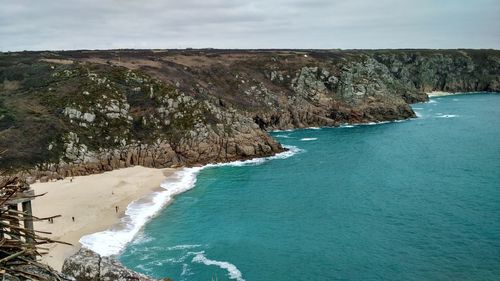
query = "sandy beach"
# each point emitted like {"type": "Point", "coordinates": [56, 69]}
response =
{"type": "Point", "coordinates": [434, 94]}
{"type": "Point", "coordinates": [92, 201]}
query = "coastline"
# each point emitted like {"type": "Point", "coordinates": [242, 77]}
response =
{"type": "Point", "coordinates": [101, 228]}
{"type": "Point", "coordinates": [435, 94]}
{"type": "Point", "coordinates": [139, 193]}
{"type": "Point", "coordinates": [92, 201]}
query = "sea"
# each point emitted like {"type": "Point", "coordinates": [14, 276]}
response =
{"type": "Point", "coordinates": [412, 200]}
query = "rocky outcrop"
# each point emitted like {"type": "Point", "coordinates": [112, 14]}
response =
{"type": "Point", "coordinates": [122, 119]}
{"type": "Point", "coordinates": [451, 71]}
{"type": "Point", "coordinates": [114, 109]}
{"type": "Point", "coordinates": [86, 265]}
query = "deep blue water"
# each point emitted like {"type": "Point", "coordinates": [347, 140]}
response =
{"type": "Point", "coordinates": [414, 200]}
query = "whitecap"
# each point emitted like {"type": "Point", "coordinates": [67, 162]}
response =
{"type": "Point", "coordinates": [233, 271]}
{"type": "Point", "coordinates": [447, 116]}
{"type": "Point", "coordinates": [283, 136]}
{"type": "Point", "coordinates": [291, 150]}
{"type": "Point", "coordinates": [308, 139]}
{"type": "Point", "coordinates": [112, 241]}
{"type": "Point", "coordinates": [185, 270]}
{"type": "Point", "coordinates": [314, 128]}
{"type": "Point", "coordinates": [346, 126]}
{"type": "Point", "coordinates": [183, 247]}
{"type": "Point", "coordinates": [374, 123]}
{"type": "Point", "coordinates": [142, 238]}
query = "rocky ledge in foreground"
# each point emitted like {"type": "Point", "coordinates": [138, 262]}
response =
{"type": "Point", "coordinates": [82, 112]}
{"type": "Point", "coordinates": [86, 265]}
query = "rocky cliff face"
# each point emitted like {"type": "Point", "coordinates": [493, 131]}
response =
{"type": "Point", "coordinates": [81, 112]}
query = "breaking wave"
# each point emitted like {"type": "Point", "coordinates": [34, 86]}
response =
{"type": "Point", "coordinates": [112, 241]}
{"type": "Point", "coordinates": [233, 271]}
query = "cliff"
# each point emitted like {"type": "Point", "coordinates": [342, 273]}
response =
{"type": "Point", "coordinates": [81, 112]}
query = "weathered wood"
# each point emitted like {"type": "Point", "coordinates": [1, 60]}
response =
{"type": "Point", "coordinates": [20, 243]}
{"type": "Point", "coordinates": [20, 198]}
{"type": "Point", "coordinates": [14, 222]}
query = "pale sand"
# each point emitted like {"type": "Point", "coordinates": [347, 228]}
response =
{"type": "Point", "coordinates": [439, 94]}
{"type": "Point", "coordinates": [91, 200]}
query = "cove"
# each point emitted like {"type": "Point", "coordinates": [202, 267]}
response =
{"type": "Point", "coordinates": [411, 200]}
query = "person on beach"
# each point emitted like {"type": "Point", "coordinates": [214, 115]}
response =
{"type": "Point", "coordinates": [116, 209]}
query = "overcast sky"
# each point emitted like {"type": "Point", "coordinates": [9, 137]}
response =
{"type": "Point", "coordinates": [325, 24]}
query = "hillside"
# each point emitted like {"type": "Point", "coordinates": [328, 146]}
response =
{"type": "Point", "coordinates": [81, 112]}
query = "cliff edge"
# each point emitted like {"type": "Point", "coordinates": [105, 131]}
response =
{"type": "Point", "coordinates": [81, 112]}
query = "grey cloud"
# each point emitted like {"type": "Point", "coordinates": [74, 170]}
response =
{"type": "Point", "coordinates": [104, 24]}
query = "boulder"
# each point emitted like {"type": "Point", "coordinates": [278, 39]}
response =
{"type": "Point", "coordinates": [87, 265]}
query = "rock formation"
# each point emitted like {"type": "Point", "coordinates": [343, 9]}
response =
{"type": "Point", "coordinates": [81, 112]}
{"type": "Point", "coordinates": [86, 265]}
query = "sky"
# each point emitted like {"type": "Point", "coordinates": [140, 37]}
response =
{"type": "Point", "coordinates": [247, 24]}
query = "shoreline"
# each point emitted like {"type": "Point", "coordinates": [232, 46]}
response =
{"type": "Point", "coordinates": [96, 202]}
{"type": "Point", "coordinates": [144, 186]}
{"type": "Point", "coordinates": [113, 240]}
{"type": "Point", "coordinates": [436, 94]}
{"type": "Point", "coordinates": [139, 192]}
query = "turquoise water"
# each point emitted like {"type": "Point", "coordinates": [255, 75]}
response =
{"type": "Point", "coordinates": [414, 200]}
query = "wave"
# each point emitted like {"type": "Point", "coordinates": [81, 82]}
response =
{"type": "Point", "coordinates": [346, 126]}
{"type": "Point", "coordinates": [183, 247]}
{"type": "Point", "coordinates": [377, 123]}
{"type": "Point", "coordinates": [292, 150]}
{"type": "Point", "coordinates": [233, 271]}
{"type": "Point", "coordinates": [185, 270]}
{"type": "Point", "coordinates": [283, 136]}
{"type": "Point", "coordinates": [314, 128]}
{"type": "Point", "coordinates": [308, 139]}
{"type": "Point", "coordinates": [112, 241]}
{"type": "Point", "coordinates": [447, 116]}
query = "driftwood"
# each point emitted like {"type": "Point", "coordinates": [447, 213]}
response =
{"type": "Point", "coordinates": [20, 244]}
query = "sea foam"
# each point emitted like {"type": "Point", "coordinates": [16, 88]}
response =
{"type": "Point", "coordinates": [283, 136]}
{"type": "Point", "coordinates": [308, 139]}
{"type": "Point", "coordinates": [112, 241]}
{"type": "Point", "coordinates": [233, 271]}
{"type": "Point", "coordinates": [447, 116]}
